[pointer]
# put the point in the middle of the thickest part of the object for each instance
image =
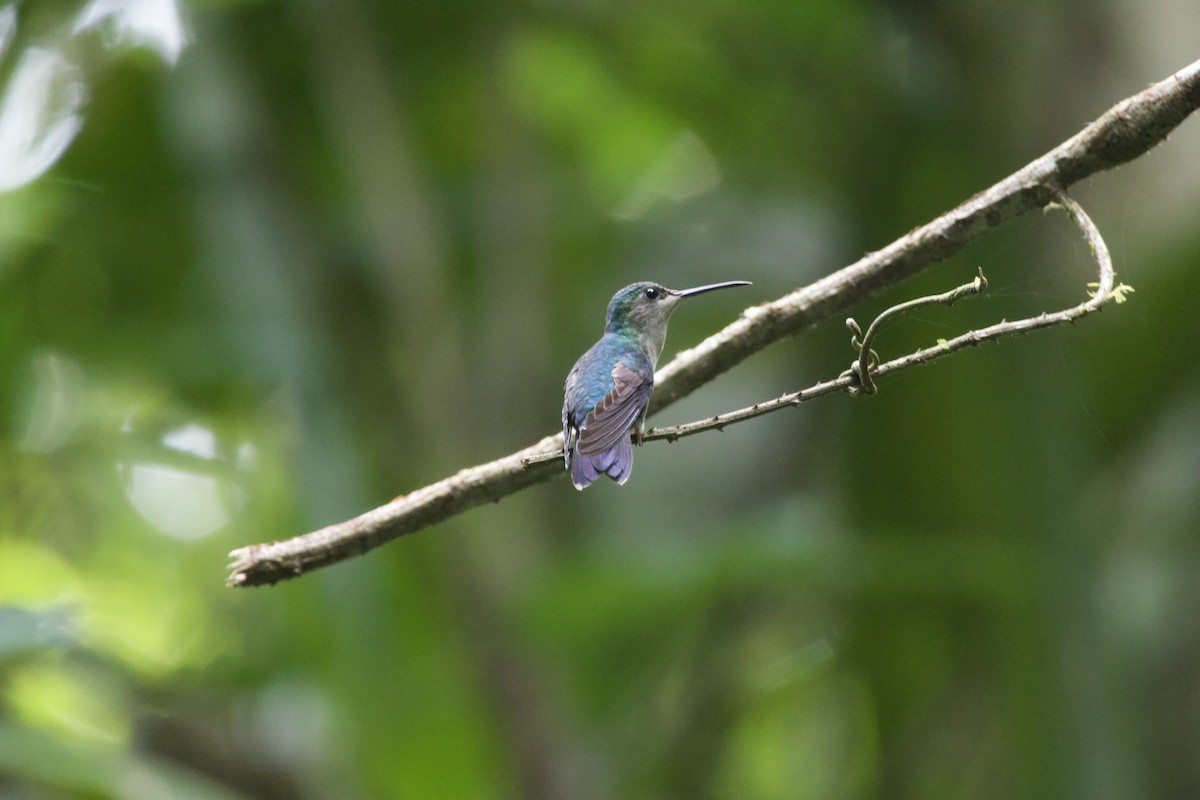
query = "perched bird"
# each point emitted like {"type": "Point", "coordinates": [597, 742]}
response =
{"type": "Point", "coordinates": [609, 387]}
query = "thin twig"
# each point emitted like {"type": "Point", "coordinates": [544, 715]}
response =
{"type": "Point", "coordinates": [1124, 132]}
{"type": "Point", "coordinates": [868, 358]}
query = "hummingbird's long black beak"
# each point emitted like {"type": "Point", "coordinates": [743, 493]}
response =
{"type": "Point", "coordinates": [710, 287]}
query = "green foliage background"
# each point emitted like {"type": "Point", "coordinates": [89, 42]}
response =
{"type": "Point", "coordinates": [340, 250]}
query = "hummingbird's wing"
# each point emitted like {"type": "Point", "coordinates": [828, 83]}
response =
{"type": "Point", "coordinates": [610, 420]}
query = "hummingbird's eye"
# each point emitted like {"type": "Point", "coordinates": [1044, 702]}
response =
{"type": "Point", "coordinates": [652, 293]}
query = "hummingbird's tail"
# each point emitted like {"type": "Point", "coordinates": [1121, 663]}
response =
{"type": "Point", "coordinates": [616, 463]}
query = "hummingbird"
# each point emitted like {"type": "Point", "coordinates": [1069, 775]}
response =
{"type": "Point", "coordinates": [608, 389]}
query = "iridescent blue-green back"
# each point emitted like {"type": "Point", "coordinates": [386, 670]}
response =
{"type": "Point", "coordinates": [612, 382]}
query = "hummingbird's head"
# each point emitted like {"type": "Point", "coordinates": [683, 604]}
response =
{"type": "Point", "coordinates": [641, 307]}
{"type": "Point", "coordinates": [644, 308]}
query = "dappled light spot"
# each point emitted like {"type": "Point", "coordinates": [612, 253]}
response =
{"type": "Point", "coordinates": [39, 115]}
{"type": "Point", "coordinates": [192, 438]}
{"type": "Point", "coordinates": [686, 169]}
{"type": "Point", "coordinates": [155, 24]}
{"type": "Point", "coordinates": [181, 504]}
{"type": "Point", "coordinates": [182, 500]}
{"type": "Point", "coordinates": [54, 404]}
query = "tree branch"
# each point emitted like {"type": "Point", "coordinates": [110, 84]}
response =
{"type": "Point", "coordinates": [1124, 132]}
